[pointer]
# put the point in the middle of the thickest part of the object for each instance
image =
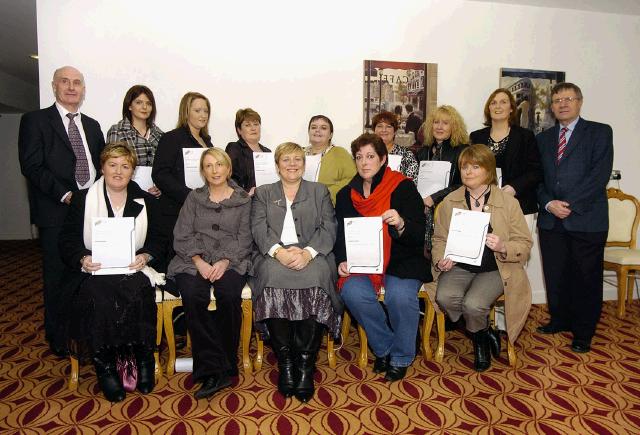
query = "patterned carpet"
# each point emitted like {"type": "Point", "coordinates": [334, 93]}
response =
{"type": "Point", "coordinates": [551, 391]}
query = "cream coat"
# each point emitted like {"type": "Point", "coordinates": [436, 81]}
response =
{"type": "Point", "coordinates": [508, 223]}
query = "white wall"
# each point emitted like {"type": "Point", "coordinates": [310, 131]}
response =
{"type": "Point", "coordinates": [290, 59]}
{"type": "Point", "coordinates": [14, 205]}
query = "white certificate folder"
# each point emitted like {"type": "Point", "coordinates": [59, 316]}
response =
{"type": "Point", "coordinates": [467, 233]}
{"type": "Point", "coordinates": [363, 240]}
{"type": "Point", "coordinates": [191, 158]}
{"type": "Point", "coordinates": [113, 244]}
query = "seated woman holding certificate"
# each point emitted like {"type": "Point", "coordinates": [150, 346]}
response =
{"type": "Point", "coordinates": [212, 240]}
{"type": "Point", "coordinates": [377, 191]}
{"type": "Point", "coordinates": [168, 171]}
{"type": "Point", "coordinates": [470, 291]}
{"type": "Point", "coordinates": [293, 276]}
{"type": "Point", "coordinates": [113, 315]}
{"type": "Point", "coordinates": [336, 165]}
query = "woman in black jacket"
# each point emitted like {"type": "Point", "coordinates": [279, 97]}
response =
{"type": "Point", "coordinates": [445, 136]}
{"type": "Point", "coordinates": [113, 314]}
{"type": "Point", "coordinates": [514, 147]}
{"type": "Point", "coordinates": [248, 127]}
{"type": "Point", "coordinates": [378, 191]}
{"type": "Point", "coordinates": [168, 166]}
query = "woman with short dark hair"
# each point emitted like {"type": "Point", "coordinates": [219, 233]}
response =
{"type": "Point", "coordinates": [248, 128]}
{"type": "Point", "coordinates": [385, 125]}
{"type": "Point", "coordinates": [109, 316]}
{"type": "Point", "coordinates": [376, 190]}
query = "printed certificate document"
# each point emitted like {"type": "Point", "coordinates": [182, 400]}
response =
{"type": "Point", "coordinates": [394, 162]}
{"type": "Point", "coordinates": [113, 244]}
{"type": "Point", "coordinates": [264, 168]}
{"type": "Point", "coordinates": [363, 240]}
{"type": "Point", "coordinates": [432, 177]}
{"type": "Point", "coordinates": [467, 233]}
{"type": "Point", "coordinates": [312, 167]}
{"type": "Point", "coordinates": [142, 176]}
{"type": "Point", "coordinates": [499, 174]}
{"type": "Point", "coordinates": [191, 157]}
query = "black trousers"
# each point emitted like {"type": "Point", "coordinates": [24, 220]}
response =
{"type": "Point", "coordinates": [215, 335]}
{"type": "Point", "coordinates": [572, 265]}
{"type": "Point", "coordinates": [52, 271]}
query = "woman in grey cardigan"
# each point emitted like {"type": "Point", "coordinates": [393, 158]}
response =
{"type": "Point", "coordinates": [294, 272]}
{"type": "Point", "coordinates": [212, 240]}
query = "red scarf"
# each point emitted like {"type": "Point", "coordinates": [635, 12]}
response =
{"type": "Point", "coordinates": [377, 203]}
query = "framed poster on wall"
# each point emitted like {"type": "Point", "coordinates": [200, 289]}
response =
{"type": "Point", "coordinates": [532, 91]}
{"type": "Point", "coordinates": [408, 89]}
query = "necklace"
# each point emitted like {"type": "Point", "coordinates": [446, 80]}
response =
{"type": "Point", "coordinates": [477, 200]}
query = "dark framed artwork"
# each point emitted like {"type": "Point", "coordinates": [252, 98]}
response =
{"type": "Point", "coordinates": [532, 91]}
{"type": "Point", "coordinates": [408, 89]}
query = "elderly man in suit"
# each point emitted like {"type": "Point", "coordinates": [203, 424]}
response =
{"type": "Point", "coordinates": [577, 157]}
{"type": "Point", "coordinates": [59, 151]}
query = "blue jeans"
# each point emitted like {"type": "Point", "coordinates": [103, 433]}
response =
{"type": "Point", "coordinates": [401, 300]}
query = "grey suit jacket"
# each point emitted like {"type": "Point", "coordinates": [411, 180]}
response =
{"type": "Point", "coordinates": [580, 178]}
{"type": "Point", "coordinates": [316, 227]}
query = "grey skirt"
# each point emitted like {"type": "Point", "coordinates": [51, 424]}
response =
{"type": "Point", "coordinates": [296, 304]}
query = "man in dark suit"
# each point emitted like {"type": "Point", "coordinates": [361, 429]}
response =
{"type": "Point", "coordinates": [59, 151]}
{"type": "Point", "coordinates": [577, 158]}
{"type": "Point", "coordinates": [413, 122]}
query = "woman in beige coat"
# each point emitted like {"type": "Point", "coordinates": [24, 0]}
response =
{"type": "Point", "coordinates": [470, 291]}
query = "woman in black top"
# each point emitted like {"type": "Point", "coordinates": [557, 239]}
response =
{"type": "Point", "coordinates": [248, 127]}
{"type": "Point", "coordinates": [168, 166]}
{"type": "Point", "coordinates": [514, 147]}
{"type": "Point", "coordinates": [445, 136]}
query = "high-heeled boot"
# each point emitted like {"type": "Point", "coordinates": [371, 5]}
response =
{"type": "Point", "coordinates": [307, 338]}
{"type": "Point", "coordinates": [108, 379]}
{"type": "Point", "coordinates": [146, 368]}
{"type": "Point", "coordinates": [481, 351]}
{"type": "Point", "coordinates": [494, 341]}
{"type": "Point", "coordinates": [281, 342]}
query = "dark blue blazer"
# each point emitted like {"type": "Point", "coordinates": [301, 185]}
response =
{"type": "Point", "coordinates": [47, 160]}
{"type": "Point", "coordinates": [580, 178]}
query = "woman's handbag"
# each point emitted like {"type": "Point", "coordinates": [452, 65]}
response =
{"type": "Point", "coordinates": [127, 371]}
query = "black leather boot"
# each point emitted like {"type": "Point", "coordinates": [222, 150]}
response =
{"type": "Point", "coordinates": [494, 342]}
{"type": "Point", "coordinates": [307, 338]}
{"type": "Point", "coordinates": [280, 331]}
{"type": "Point", "coordinates": [481, 351]}
{"type": "Point", "coordinates": [108, 379]}
{"type": "Point", "coordinates": [146, 369]}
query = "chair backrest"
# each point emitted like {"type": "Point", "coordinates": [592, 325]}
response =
{"type": "Point", "coordinates": [624, 215]}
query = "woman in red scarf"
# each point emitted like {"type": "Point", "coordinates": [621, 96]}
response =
{"type": "Point", "coordinates": [376, 190]}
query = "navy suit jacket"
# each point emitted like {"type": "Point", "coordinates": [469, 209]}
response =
{"type": "Point", "coordinates": [580, 178]}
{"type": "Point", "coordinates": [49, 163]}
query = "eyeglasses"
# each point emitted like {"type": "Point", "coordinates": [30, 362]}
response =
{"type": "Point", "coordinates": [565, 100]}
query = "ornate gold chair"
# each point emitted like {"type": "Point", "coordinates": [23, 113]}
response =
{"type": "Point", "coordinates": [434, 311]}
{"type": "Point", "coordinates": [621, 254]}
{"type": "Point", "coordinates": [363, 356]}
{"type": "Point", "coordinates": [171, 302]}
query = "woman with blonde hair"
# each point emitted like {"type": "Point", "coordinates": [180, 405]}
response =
{"type": "Point", "coordinates": [445, 136]}
{"type": "Point", "coordinates": [212, 241]}
{"type": "Point", "coordinates": [294, 271]}
{"type": "Point", "coordinates": [192, 131]}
